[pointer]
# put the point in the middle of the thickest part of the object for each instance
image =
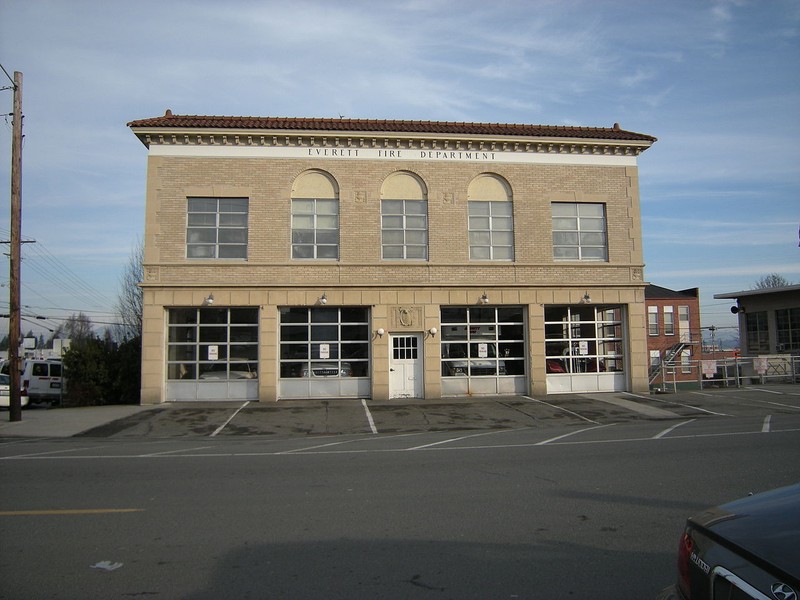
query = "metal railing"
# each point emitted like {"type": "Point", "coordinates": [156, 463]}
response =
{"type": "Point", "coordinates": [670, 353]}
{"type": "Point", "coordinates": [729, 372]}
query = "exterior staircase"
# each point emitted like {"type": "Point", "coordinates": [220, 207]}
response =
{"type": "Point", "coordinates": [668, 357]}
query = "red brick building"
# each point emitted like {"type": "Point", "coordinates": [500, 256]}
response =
{"type": "Point", "coordinates": [673, 331]}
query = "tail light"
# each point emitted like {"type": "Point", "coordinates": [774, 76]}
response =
{"type": "Point", "coordinates": [685, 549]}
{"type": "Point", "coordinates": [25, 385]}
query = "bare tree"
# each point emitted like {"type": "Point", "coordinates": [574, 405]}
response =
{"type": "Point", "coordinates": [78, 328]}
{"type": "Point", "coordinates": [773, 280]}
{"type": "Point", "coordinates": [130, 299]}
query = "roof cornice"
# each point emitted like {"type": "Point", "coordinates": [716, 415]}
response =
{"type": "Point", "coordinates": [182, 130]}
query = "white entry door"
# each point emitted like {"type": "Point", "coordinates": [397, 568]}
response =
{"type": "Point", "coordinates": [405, 367]}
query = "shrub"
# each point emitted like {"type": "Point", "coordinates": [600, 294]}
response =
{"type": "Point", "coordinates": [102, 372]}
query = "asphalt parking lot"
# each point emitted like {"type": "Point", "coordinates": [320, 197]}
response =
{"type": "Point", "coordinates": [357, 416]}
{"type": "Point", "coordinates": [353, 416]}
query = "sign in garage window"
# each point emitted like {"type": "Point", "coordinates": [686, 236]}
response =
{"type": "Point", "coordinates": [482, 341]}
{"type": "Point", "coordinates": [584, 339]}
{"type": "Point", "coordinates": [324, 342]}
{"type": "Point", "coordinates": [212, 343]}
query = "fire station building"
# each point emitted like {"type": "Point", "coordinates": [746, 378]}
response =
{"type": "Point", "coordinates": [292, 258]}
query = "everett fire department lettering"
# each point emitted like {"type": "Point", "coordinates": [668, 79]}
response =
{"type": "Point", "coordinates": [333, 152]}
{"type": "Point", "coordinates": [456, 155]}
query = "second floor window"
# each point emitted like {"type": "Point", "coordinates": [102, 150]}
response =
{"type": "Point", "coordinates": [491, 231]}
{"type": "Point", "coordinates": [684, 324]}
{"type": "Point", "coordinates": [404, 229]}
{"type": "Point", "coordinates": [669, 321]}
{"type": "Point", "coordinates": [579, 231]}
{"type": "Point", "coordinates": [652, 320]}
{"type": "Point", "coordinates": [315, 228]}
{"type": "Point", "coordinates": [216, 228]}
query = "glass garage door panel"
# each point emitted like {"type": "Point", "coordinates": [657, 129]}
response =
{"type": "Point", "coordinates": [483, 350]}
{"type": "Point", "coordinates": [324, 352]}
{"type": "Point", "coordinates": [212, 353]}
{"type": "Point", "coordinates": [584, 348]}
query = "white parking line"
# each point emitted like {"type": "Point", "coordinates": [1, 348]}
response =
{"type": "Point", "coordinates": [464, 437]}
{"type": "Point", "coordinates": [765, 426]}
{"type": "Point", "coordinates": [638, 407]}
{"type": "Point", "coordinates": [779, 404]}
{"type": "Point", "coordinates": [225, 424]}
{"type": "Point", "coordinates": [561, 408]}
{"type": "Point", "coordinates": [658, 436]}
{"type": "Point", "coordinates": [48, 454]}
{"type": "Point", "coordinates": [710, 412]}
{"type": "Point", "coordinates": [556, 441]}
{"type": "Point", "coordinates": [765, 390]}
{"type": "Point", "coordinates": [356, 440]}
{"type": "Point", "coordinates": [566, 435]}
{"type": "Point", "coordinates": [369, 416]}
{"type": "Point", "coordinates": [166, 452]}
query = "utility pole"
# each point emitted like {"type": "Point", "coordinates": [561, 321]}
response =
{"type": "Point", "coordinates": [14, 327]}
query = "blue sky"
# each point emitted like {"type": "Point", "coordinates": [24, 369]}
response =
{"type": "Point", "coordinates": [718, 82]}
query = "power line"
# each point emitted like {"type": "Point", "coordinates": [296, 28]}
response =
{"type": "Point", "coordinates": [70, 279]}
{"type": "Point", "coordinates": [13, 83]}
{"type": "Point", "coordinates": [44, 263]}
{"type": "Point", "coordinates": [53, 260]}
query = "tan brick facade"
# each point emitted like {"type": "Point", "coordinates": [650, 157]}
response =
{"type": "Point", "coordinates": [269, 278]}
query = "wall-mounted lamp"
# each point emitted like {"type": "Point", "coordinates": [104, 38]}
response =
{"type": "Point", "coordinates": [587, 299]}
{"type": "Point", "coordinates": [208, 300]}
{"type": "Point", "coordinates": [380, 331]}
{"type": "Point", "coordinates": [484, 299]}
{"type": "Point", "coordinates": [737, 309]}
{"type": "Point", "coordinates": [323, 299]}
{"type": "Point", "coordinates": [433, 331]}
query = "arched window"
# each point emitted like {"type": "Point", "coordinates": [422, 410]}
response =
{"type": "Point", "coordinates": [315, 216]}
{"type": "Point", "coordinates": [404, 217]}
{"type": "Point", "coordinates": [491, 219]}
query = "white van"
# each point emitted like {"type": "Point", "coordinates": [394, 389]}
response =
{"type": "Point", "coordinates": [40, 378]}
{"type": "Point", "coordinates": [5, 393]}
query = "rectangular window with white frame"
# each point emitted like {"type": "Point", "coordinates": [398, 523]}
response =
{"type": "Point", "coordinates": [491, 230]}
{"type": "Point", "coordinates": [684, 325]}
{"type": "Point", "coordinates": [655, 358]}
{"type": "Point", "coordinates": [217, 228]}
{"type": "Point", "coordinates": [579, 231]}
{"type": "Point", "coordinates": [404, 229]}
{"type": "Point", "coordinates": [669, 320]}
{"type": "Point", "coordinates": [315, 228]}
{"type": "Point", "coordinates": [686, 361]}
{"type": "Point", "coordinates": [652, 320]}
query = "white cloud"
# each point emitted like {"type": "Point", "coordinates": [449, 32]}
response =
{"type": "Point", "coordinates": [714, 81]}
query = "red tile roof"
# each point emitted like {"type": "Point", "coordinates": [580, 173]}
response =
{"type": "Point", "coordinates": [389, 126]}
